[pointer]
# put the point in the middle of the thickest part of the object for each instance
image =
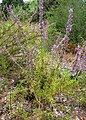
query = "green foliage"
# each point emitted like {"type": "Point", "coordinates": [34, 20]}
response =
{"type": "Point", "coordinates": [22, 13]}
{"type": "Point", "coordinates": [59, 15]}
{"type": "Point", "coordinates": [45, 84]}
{"type": "Point", "coordinates": [33, 5]}
{"type": "Point", "coordinates": [13, 2]}
{"type": "Point", "coordinates": [4, 64]}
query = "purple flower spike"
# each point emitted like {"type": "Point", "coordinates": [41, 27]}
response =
{"type": "Point", "coordinates": [41, 23]}
{"type": "Point", "coordinates": [71, 10]}
{"type": "Point", "coordinates": [79, 64]}
{"type": "Point", "coordinates": [41, 14]}
{"type": "Point", "coordinates": [69, 24]}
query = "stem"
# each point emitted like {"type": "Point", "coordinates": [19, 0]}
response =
{"type": "Point", "coordinates": [40, 104]}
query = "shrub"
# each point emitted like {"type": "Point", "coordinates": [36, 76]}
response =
{"type": "Point", "coordinates": [59, 15]}
{"type": "Point", "coordinates": [39, 83]}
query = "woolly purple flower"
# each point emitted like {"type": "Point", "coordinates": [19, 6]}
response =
{"type": "Point", "coordinates": [41, 23]}
{"type": "Point", "coordinates": [78, 48]}
{"type": "Point", "coordinates": [79, 64]}
{"type": "Point", "coordinates": [41, 14]}
{"type": "Point", "coordinates": [54, 49]}
{"type": "Point", "coordinates": [84, 57]}
{"type": "Point", "coordinates": [71, 10]}
{"type": "Point", "coordinates": [17, 20]}
{"type": "Point", "coordinates": [69, 23]}
{"type": "Point", "coordinates": [9, 9]}
{"type": "Point", "coordinates": [54, 46]}
{"type": "Point", "coordinates": [68, 30]}
{"type": "Point", "coordinates": [58, 38]}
